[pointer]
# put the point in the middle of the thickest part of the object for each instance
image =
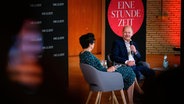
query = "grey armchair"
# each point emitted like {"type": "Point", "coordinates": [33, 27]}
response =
{"type": "Point", "coordinates": [100, 81]}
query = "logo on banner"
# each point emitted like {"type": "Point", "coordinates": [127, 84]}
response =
{"type": "Point", "coordinates": [125, 12]}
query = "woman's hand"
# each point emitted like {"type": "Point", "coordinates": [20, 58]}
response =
{"type": "Point", "coordinates": [111, 69]}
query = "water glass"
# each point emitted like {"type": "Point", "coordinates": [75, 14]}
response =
{"type": "Point", "coordinates": [104, 63]}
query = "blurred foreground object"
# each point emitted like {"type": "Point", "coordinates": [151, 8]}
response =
{"type": "Point", "coordinates": [23, 65]}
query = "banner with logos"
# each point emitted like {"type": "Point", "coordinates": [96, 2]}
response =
{"type": "Point", "coordinates": [53, 21]}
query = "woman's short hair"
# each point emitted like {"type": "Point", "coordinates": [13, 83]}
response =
{"type": "Point", "coordinates": [86, 39]}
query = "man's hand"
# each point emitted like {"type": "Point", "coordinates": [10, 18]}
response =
{"type": "Point", "coordinates": [131, 63]}
{"type": "Point", "coordinates": [133, 49]}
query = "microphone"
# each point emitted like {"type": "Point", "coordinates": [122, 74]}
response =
{"type": "Point", "coordinates": [131, 43]}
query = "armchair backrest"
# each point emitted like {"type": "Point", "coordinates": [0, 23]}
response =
{"type": "Point", "coordinates": [101, 81]}
{"type": "Point", "coordinates": [111, 63]}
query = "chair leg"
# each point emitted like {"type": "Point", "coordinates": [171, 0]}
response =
{"type": "Point", "coordinates": [110, 98]}
{"type": "Point", "coordinates": [98, 98]}
{"type": "Point", "coordinates": [123, 96]}
{"type": "Point", "coordinates": [114, 98]}
{"type": "Point", "coordinates": [89, 96]}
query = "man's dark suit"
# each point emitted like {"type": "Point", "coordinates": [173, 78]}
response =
{"type": "Point", "coordinates": [119, 54]}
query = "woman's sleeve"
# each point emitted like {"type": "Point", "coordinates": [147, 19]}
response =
{"type": "Point", "coordinates": [95, 62]}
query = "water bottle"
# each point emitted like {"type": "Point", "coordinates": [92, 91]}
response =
{"type": "Point", "coordinates": [165, 62]}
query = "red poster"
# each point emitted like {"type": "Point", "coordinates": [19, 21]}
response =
{"type": "Point", "coordinates": [125, 12]}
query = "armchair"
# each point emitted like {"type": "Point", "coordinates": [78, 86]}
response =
{"type": "Point", "coordinates": [100, 81]}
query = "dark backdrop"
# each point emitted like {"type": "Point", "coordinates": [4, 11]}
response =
{"type": "Point", "coordinates": [52, 16]}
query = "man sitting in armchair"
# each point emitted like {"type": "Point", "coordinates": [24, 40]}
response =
{"type": "Point", "coordinates": [124, 51]}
